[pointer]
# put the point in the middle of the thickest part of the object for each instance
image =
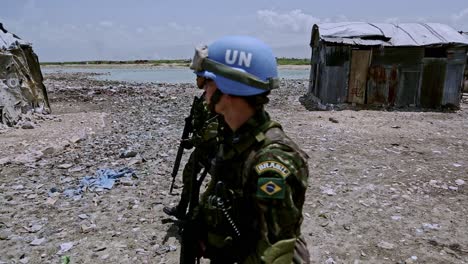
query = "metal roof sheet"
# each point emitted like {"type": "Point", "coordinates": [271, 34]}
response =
{"type": "Point", "coordinates": [406, 34]}
{"type": "Point", "coordinates": [8, 40]}
{"type": "Point", "coordinates": [354, 41]}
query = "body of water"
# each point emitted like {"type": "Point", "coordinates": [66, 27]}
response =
{"type": "Point", "coordinates": [167, 75]}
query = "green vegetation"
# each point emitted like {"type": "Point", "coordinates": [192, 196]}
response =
{"type": "Point", "coordinates": [180, 62]}
{"type": "Point", "coordinates": [292, 61]}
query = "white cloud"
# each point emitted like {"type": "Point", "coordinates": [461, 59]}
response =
{"type": "Point", "coordinates": [106, 23]}
{"type": "Point", "coordinates": [295, 20]}
{"type": "Point", "coordinates": [339, 18]}
{"type": "Point", "coordinates": [176, 26]}
{"type": "Point", "coordinates": [393, 20]}
{"type": "Point", "coordinates": [421, 20]}
{"type": "Point", "coordinates": [186, 29]}
{"type": "Point", "coordinates": [105, 40]}
{"type": "Point", "coordinates": [460, 20]}
{"type": "Point", "coordinates": [462, 15]}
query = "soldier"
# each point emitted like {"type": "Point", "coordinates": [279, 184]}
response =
{"type": "Point", "coordinates": [252, 210]}
{"type": "Point", "coordinates": [205, 130]}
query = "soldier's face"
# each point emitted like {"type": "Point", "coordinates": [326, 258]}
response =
{"type": "Point", "coordinates": [210, 87]}
{"type": "Point", "coordinates": [200, 82]}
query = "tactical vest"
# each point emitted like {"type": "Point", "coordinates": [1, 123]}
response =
{"type": "Point", "coordinates": [228, 209]}
{"type": "Point", "coordinates": [205, 125]}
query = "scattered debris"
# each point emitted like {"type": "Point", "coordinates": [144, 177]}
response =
{"type": "Point", "coordinates": [427, 226]}
{"type": "Point", "coordinates": [328, 191]}
{"type": "Point", "coordinates": [37, 242]}
{"type": "Point", "coordinates": [164, 249]}
{"type": "Point", "coordinates": [460, 182]}
{"type": "Point", "coordinates": [64, 247]}
{"type": "Point", "coordinates": [333, 120]}
{"type": "Point", "coordinates": [65, 166]}
{"type": "Point", "coordinates": [386, 245]}
{"type": "Point", "coordinates": [128, 153]}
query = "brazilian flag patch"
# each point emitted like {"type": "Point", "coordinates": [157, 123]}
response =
{"type": "Point", "coordinates": [271, 188]}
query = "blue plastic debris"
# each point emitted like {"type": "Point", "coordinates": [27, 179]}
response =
{"type": "Point", "coordinates": [104, 179]}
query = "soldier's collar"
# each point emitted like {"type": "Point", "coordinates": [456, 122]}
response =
{"type": "Point", "coordinates": [248, 133]}
{"type": "Point", "coordinates": [252, 125]}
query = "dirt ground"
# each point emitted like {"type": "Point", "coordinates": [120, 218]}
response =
{"type": "Point", "coordinates": [384, 187]}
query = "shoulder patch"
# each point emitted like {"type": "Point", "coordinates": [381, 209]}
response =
{"type": "Point", "coordinates": [273, 166]}
{"type": "Point", "coordinates": [270, 188]}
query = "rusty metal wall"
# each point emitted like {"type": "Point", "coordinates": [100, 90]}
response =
{"type": "Point", "coordinates": [314, 68]}
{"type": "Point", "coordinates": [409, 83]}
{"type": "Point", "coordinates": [383, 84]}
{"type": "Point", "coordinates": [456, 63]}
{"type": "Point", "coordinates": [432, 84]}
{"type": "Point", "coordinates": [400, 76]}
{"type": "Point", "coordinates": [332, 86]}
{"type": "Point", "coordinates": [360, 60]}
{"type": "Point", "coordinates": [402, 56]}
{"type": "Point", "coordinates": [453, 84]}
{"type": "Point", "coordinates": [394, 76]}
{"type": "Point", "coordinates": [377, 85]}
{"type": "Point", "coordinates": [393, 84]}
{"type": "Point", "coordinates": [333, 73]}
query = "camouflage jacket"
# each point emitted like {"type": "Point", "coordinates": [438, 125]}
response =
{"type": "Point", "coordinates": [260, 178]}
{"type": "Point", "coordinates": [204, 124]}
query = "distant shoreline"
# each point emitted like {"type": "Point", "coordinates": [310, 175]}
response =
{"type": "Point", "coordinates": [149, 66]}
{"type": "Point", "coordinates": [180, 63]}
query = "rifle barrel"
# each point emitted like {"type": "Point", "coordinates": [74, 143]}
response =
{"type": "Point", "coordinates": [185, 134]}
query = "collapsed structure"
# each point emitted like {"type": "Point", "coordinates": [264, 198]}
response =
{"type": "Point", "coordinates": [21, 82]}
{"type": "Point", "coordinates": [414, 64]}
{"type": "Point", "coordinates": [465, 84]}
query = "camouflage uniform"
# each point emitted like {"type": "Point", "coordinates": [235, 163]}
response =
{"type": "Point", "coordinates": [205, 130]}
{"type": "Point", "coordinates": [252, 209]}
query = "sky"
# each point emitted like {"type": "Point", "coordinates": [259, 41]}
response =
{"type": "Point", "coordinates": [79, 30]}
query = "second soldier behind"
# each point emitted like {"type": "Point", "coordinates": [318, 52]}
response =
{"type": "Point", "coordinates": [204, 142]}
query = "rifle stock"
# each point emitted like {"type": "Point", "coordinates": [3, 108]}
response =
{"type": "Point", "coordinates": [188, 129]}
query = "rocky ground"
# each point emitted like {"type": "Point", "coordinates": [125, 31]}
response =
{"type": "Point", "coordinates": [385, 186]}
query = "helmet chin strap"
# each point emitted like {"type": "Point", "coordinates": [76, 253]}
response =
{"type": "Point", "coordinates": [215, 98]}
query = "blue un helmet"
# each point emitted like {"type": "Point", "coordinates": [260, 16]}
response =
{"type": "Point", "coordinates": [240, 65]}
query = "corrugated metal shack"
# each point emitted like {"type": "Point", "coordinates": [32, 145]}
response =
{"type": "Point", "coordinates": [465, 84]}
{"type": "Point", "coordinates": [412, 64]}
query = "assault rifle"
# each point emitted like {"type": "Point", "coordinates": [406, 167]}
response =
{"type": "Point", "coordinates": [191, 229]}
{"type": "Point", "coordinates": [188, 129]}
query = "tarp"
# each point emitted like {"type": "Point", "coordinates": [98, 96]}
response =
{"type": "Point", "coordinates": [103, 180]}
{"type": "Point", "coordinates": [21, 82]}
{"type": "Point", "coordinates": [386, 34]}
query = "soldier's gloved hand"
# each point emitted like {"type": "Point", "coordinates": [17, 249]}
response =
{"type": "Point", "coordinates": [280, 252]}
{"type": "Point", "coordinates": [186, 144]}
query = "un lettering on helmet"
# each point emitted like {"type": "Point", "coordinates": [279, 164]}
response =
{"type": "Point", "coordinates": [242, 58]}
